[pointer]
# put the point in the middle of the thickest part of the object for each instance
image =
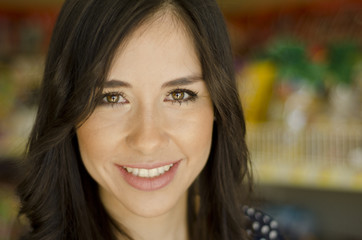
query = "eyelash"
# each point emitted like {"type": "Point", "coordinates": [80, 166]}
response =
{"type": "Point", "coordinates": [192, 96]}
{"type": "Point", "coordinates": [103, 100]}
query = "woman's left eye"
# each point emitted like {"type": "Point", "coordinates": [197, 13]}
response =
{"type": "Point", "coordinates": [181, 96]}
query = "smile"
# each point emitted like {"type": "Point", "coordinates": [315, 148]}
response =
{"type": "Point", "coordinates": [148, 173]}
{"type": "Point", "coordinates": [149, 178]}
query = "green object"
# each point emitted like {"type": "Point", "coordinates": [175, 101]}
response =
{"type": "Point", "coordinates": [341, 60]}
{"type": "Point", "coordinates": [293, 62]}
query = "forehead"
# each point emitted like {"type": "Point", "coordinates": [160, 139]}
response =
{"type": "Point", "coordinates": [159, 44]}
{"type": "Point", "coordinates": [166, 23]}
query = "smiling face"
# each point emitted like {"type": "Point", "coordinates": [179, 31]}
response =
{"type": "Point", "coordinates": [150, 136]}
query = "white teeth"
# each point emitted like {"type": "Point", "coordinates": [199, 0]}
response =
{"type": "Point", "coordinates": [135, 171]}
{"type": "Point", "coordinates": [148, 173]}
{"type": "Point", "coordinates": [167, 168]}
{"type": "Point", "coordinates": [143, 173]}
{"type": "Point", "coordinates": [153, 172]}
{"type": "Point", "coordinates": [161, 170]}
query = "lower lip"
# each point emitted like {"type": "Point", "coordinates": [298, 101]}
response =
{"type": "Point", "coordinates": [149, 184]}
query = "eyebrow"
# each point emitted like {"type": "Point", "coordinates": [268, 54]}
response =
{"type": "Point", "coordinates": [182, 81]}
{"type": "Point", "coordinates": [116, 83]}
{"type": "Point", "coordinates": [172, 83]}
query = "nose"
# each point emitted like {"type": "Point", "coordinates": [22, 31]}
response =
{"type": "Point", "coordinates": [147, 134]}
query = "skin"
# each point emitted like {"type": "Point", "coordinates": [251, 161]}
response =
{"type": "Point", "coordinates": [147, 126]}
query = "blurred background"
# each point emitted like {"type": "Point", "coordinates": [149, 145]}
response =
{"type": "Point", "coordinates": [299, 72]}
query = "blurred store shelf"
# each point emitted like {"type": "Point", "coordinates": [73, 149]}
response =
{"type": "Point", "coordinates": [310, 176]}
{"type": "Point", "coordinates": [325, 156]}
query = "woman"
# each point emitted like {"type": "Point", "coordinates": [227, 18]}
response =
{"type": "Point", "coordinates": [139, 132]}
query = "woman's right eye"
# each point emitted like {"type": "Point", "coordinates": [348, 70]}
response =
{"type": "Point", "coordinates": [113, 98]}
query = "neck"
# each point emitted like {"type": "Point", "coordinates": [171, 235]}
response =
{"type": "Point", "coordinates": [169, 226]}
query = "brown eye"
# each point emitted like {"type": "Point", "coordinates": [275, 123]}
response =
{"type": "Point", "coordinates": [178, 96]}
{"type": "Point", "coordinates": [112, 98]}
{"type": "Point", "coordinates": [181, 96]}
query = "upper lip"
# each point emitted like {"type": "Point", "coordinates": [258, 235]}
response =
{"type": "Point", "coordinates": [148, 165]}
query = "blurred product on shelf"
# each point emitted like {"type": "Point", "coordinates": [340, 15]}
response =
{"type": "Point", "coordinates": [286, 85]}
{"type": "Point", "coordinates": [256, 89]}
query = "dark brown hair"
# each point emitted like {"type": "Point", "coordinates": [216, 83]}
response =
{"type": "Point", "coordinates": [58, 196]}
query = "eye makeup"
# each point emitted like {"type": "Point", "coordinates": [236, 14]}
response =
{"type": "Point", "coordinates": [181, 95]}
{"type": "Point", "coordinates": [113, 98]}
{"type": "Point", "coordinates": [178, 95]}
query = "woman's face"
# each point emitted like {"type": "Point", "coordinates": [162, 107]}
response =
{"type": "Point", "coordinates": [150, 136]}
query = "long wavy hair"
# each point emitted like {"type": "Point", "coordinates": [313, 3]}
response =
{"type": "Point", "coordinates": [58, 196]}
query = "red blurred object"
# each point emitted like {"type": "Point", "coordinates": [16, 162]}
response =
{"type": "Point", "coordinates": [15, 24]}
{"type": "Point", "coordinates": [316, 23]}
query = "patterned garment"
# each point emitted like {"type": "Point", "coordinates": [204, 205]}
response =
{"type": "Point", "coordinates": [262, 226]}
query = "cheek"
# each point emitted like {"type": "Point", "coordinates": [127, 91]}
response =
{"type": "Point", "coordinates": [201, 137]}
{"type": "Point", "coordinates": [194, 135]}
{"type": "Point", "coordinates": [89, 144]}
{"type": "Point", "coordinates": [94, 146]}
{"type": "Point", "coordinates": [95, 138]}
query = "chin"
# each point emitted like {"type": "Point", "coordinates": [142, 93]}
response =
{"type": "Point", "coordinates": [157, 206]}
{"type": "Point", "coordinates": [152, 212]}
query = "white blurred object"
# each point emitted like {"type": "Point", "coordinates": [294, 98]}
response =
{"type": "Point", "coordinates": [344, 101]}
{"type": "Point", "coordinates": [355, 158]}
{"type": "Point", "coordinates": [297, 108]}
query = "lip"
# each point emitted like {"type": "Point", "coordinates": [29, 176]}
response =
{"type": "Point", "coordinates": [149, 184]}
